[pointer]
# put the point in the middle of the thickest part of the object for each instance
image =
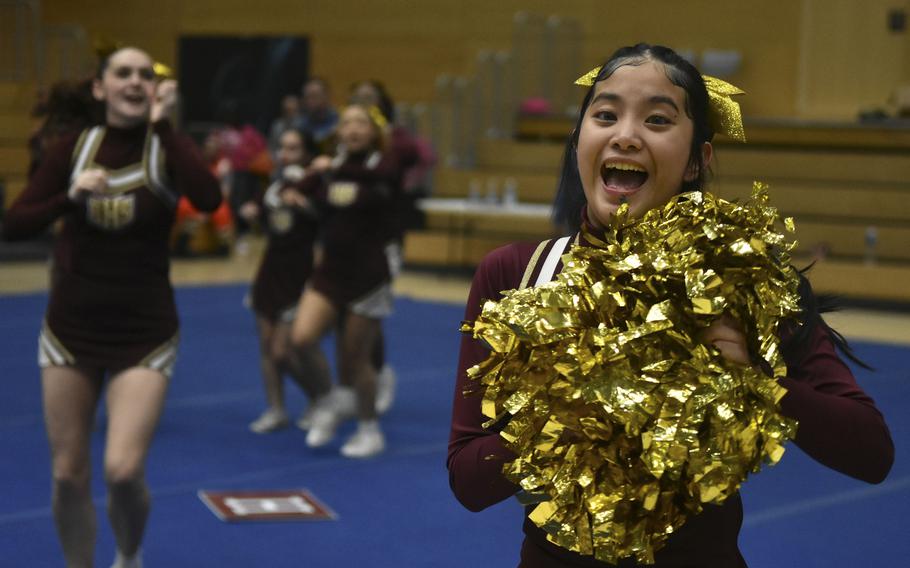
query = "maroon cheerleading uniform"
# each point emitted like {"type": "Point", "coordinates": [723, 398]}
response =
{"type": "Point", "coordinates": [288, 258]}
{"type": "Point", "coordinates": [111, 304]}
{"type": "Point", "coordinates": [839, 426]}
{"type": "Point", "coordinates": [357, 198]}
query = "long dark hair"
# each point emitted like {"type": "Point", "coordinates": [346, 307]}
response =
{"type": "Point", "coordinates": [795, 345]}
{"type": "Point", "coordinates": [68, 106]}
{"type": "Point", "coordinates": [570, 197]}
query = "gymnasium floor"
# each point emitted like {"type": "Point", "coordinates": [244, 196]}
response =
{"type": "Point", "coordinates": [395, 510]}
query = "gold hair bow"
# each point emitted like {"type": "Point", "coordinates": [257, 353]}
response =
{"type": "Point", "coordinates": [587, 80]}
{"type": "Point", "coordinates": [162, 71]}
{"type": "Point", "coordinates": [724, 113]}
{"type": "Point", "coordinates": [377, 117]}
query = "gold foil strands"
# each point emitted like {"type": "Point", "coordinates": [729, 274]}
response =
{"type": "Point", "coordinates": [623, 422]}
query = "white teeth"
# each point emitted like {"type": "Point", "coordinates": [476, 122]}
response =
{"type": "Point", "coordinates": [625, 167]}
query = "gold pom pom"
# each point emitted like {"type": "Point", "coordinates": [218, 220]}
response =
{"type": "Point", "coordinates": [623, 421]}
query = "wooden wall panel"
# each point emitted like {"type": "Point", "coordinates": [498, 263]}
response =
{"type": "Point", "coordinates": [411, 41]}
{"type": "Point", "coordinates": [852, 62]}
{"type": "Point", "coordinates": [811, 58]}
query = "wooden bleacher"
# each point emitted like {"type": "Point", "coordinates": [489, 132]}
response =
{"type": "Point", "coordinates": [841, 182]}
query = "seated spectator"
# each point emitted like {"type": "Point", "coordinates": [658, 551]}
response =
{"type": "Point", "coordinates": [289, 117]}
{"type": "Point", "coordinates": [319, 118]}
{"type": "Point", "coordinates": [197, 233]}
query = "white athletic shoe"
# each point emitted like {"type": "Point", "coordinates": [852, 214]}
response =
{"type": "Point", "coordinates": [385, 389]}
{"type": "Point", "coordinates": [366, 442]}
{"type": "Point", "coordinates": [269, 421]}
{"type": "Point", "coordinates": [134, 561]}
{"type": "Point", "coordinates": [328, 413]}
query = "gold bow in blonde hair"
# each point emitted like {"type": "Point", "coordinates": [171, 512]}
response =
{"type": "Point", "coordinates": [377, 117]}
{"type": "Point", "coordinates": [724, 113]}
{"type": "Point", "coordinates": [374, 114]}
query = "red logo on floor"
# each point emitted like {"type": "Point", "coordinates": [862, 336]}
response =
{"type": "Point", "coordinates": [279, 505]}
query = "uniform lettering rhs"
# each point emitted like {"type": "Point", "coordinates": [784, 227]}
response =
{"type": "Point", "coordinates": [111, 212]}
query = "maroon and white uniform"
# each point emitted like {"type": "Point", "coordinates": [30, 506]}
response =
{"type": "Point", "coordinates": [287, 262]}
{"type": "Point", "coordinates": [357, 198]}
{"type": "Point", "coordinates": [111, 303]}
{"type": "Point", "coordinates": [839, 426]}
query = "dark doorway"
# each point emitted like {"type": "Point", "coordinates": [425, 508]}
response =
{"type": "Point", "coordinates": [238, 80]}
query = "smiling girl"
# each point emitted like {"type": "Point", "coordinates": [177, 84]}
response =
{"type": "Point", "coordinates": [286, 265]}
{"type": "Point", "coordinates": [351, 285]}
{"type": "Point", "coordinates": [643, 136]}
{"type": "Point", "coordinates": [111, 312]}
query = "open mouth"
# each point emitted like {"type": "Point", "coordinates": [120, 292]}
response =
{"type": "Point", "coordinates": [621, 177]}
{"type": "Point", "coordinates": [134, 99]}
{"type": "Point", "coordinates": [355, 142]}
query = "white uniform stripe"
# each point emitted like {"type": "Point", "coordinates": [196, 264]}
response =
{"type": "Point", "coordinates": [373, 160]}
{"type": "Point", "coordinates": [48, 352]}
{"type": "Point", "coordinates": [125, 179]}
{"type": "Point", "coordinates": [84, 152]}
{"type": "Point", "coordinates": [154, 173]}
{"type": "Point", "coordinates": [272, 196]}
{"type": "Point", "coordinates": [43, 358]}
{"type": "Point", "coordinates": [153, 159]}
{"type": "Point", "coordinates": [162, 359]}
{"type": "Point", "coordinates": [549, 265]}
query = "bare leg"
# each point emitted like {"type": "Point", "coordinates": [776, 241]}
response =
{"type": "Point", "coordinates": [345, 379]}
{"type": "Point", "coordinates": [377, 356]}
{"type": "Point", "coordinates": [70, 396]}
{"type": "Point", "coordinates": [356, 367]}
{"type": "Point", "coordinates": [135, 400]}
{"type": "Point", "coordinates": [315, 315]}
{"type": "Point", "coordinates": [377, 353]}
{"type": "Point", "coordinates": [385, 375]}
{"type": "Point", "coordinates": [357, 344]}
{"type": "Point", "coordinates": [307, 366]}
{"type": "Point", "coordinates": [271, 371]}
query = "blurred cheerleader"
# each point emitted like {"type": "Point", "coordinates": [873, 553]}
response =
{"type": "Point", "coordinates": [291, 227]}
{"type": "Point", "coordinates": [351, 285]}
{"type": "Point", "coordinates": [416, 157]}
{"type": "Point", "coordinates": [111, 311]}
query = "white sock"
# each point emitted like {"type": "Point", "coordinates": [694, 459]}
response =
{"type": "Point", "coordinates": [123, 561]}
{"type": "Point", "coordinates": [368, 425]}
